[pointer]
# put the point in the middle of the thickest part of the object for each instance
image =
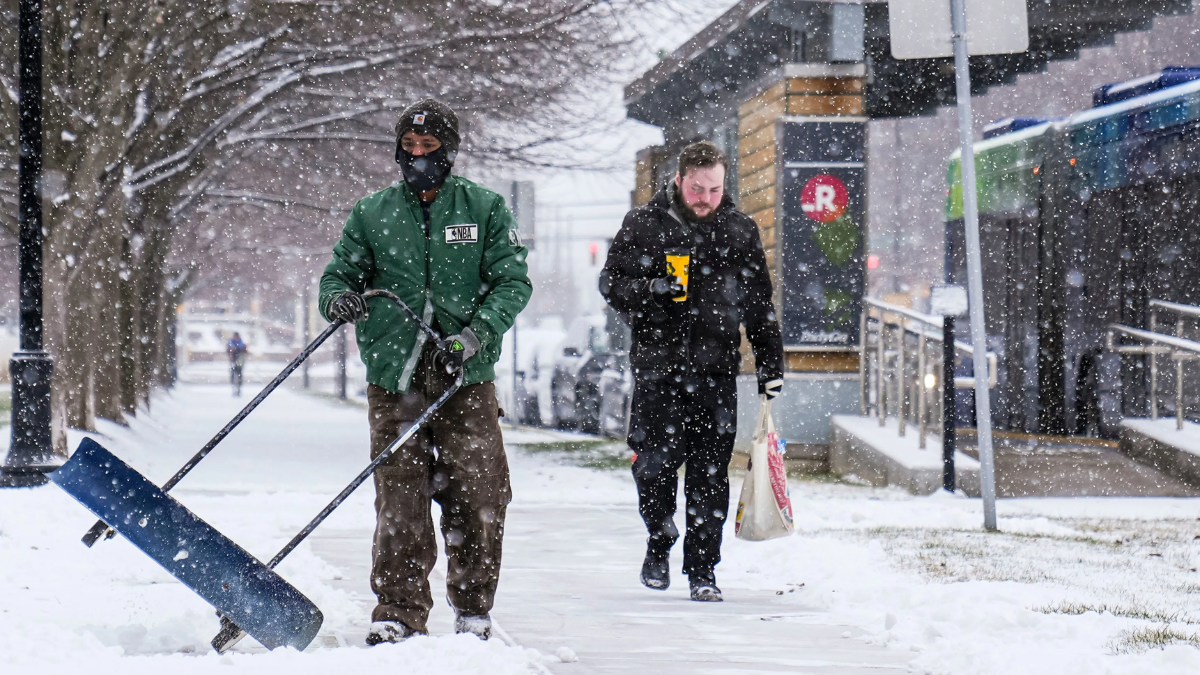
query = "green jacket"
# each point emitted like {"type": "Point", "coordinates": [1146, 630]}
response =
{"type": "Point", "coordinates": [470, 276]}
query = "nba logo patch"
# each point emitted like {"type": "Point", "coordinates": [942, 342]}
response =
{"type": "Point", "coordinates": [419, 118]}
{"type": "Point", "coordinates": [467, 233]}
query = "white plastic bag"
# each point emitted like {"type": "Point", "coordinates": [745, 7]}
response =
{"type": "Point", "coordinates": [765, 505]}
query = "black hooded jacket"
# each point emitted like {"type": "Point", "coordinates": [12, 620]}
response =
{"type": "Point", "coordinates": [728, 285]}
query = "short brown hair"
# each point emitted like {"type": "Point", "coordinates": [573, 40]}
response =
{"type": "Point", "coordinates": [701, 155]}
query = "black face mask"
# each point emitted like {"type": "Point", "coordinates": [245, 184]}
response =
{"type": "Point", "coordinates": [427, 171]}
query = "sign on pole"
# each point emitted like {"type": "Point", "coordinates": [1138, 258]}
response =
{"type": "Point", "coordinates": [920, 29]}
{"type": "Point", "coordinates": [923, 29]}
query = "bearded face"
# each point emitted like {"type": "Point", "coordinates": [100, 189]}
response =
{"type": "Point", "coordinates": [700, 191]}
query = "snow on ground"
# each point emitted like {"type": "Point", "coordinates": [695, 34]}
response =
{"type": "Point", "coordinates": [873, 577]}
{"type": "Point", "coordinates": [110, 609]}
{"type": "Point", "coordinates": [1069, 586]}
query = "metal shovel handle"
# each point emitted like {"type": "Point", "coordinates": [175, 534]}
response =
{"type": "Point", "coordinates": [424, 326]}
{"type": "Point", "coordinates": [101, 529]}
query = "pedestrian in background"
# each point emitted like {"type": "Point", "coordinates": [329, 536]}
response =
{"type": "Point", "coordinates": [685, 272]}
{"type": "Point", "coordinates": [236, 350]}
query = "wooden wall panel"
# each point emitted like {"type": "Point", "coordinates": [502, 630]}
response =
{"type": "Point", "coordinates": [753, 182]}
{"type": "Point", "coordinates": [805, 104]}
{"type": "Point", "coordinates": [757, 201]}
{"type": "Point", "coordinates": [758, 140]}
{"type": "Point", "coordinates": [825, 85]}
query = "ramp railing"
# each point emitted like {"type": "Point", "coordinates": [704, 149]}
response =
{"type": "Point", "coordinates": [1154, 344]}
{"type": "Point", "coordinates": [904, 364]}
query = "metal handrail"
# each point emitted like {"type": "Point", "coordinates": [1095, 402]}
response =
{"type": "Point", "coordinates": [936, 321]}
{"type": "Point", "coordinates": [1179, 348]}
{"type": "Point", "coordinates": [1182, 311]}
{"type": "Point", "coordinates": [1176, 308]}
{"type": "Point", "coordinates": [929, 319]}
{"type": "Point", "coordinates": [1175, 342]}
{"type": "Point", "coordinates": [904, 321]}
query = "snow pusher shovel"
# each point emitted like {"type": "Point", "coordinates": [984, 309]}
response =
{"type": "Point", "coordinates": [206, 561]}
{"type": "Point", "coordinates": [249, 596]}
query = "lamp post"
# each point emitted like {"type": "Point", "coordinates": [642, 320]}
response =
{"type": "Point", "coordinates": [31, 452]}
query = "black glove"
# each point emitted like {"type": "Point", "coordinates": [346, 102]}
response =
{"type": "Point", "coordinates": [770, 387]}
{"type": "Point", "coordinates": [458, 349]}
{"type": "Point", "coordinates": [349, 307]}
{"type": "Point", "coordinates": [663, 288]}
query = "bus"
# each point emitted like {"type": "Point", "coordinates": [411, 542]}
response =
{"type": "Point", "coordinates": [1083, 220]}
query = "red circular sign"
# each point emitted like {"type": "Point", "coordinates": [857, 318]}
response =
{"type": "Point", "coordinates": [824, 198]}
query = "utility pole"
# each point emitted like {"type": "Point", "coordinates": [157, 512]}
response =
{"type": "Point", "coordinates": [31, 452]}
{"type": "Point", "coordinates": [919, 30]}
{"type": "Point", "coordinates": [966, 137]}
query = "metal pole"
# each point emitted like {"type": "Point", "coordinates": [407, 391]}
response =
{"type": "Point", "coordinates": [340, 346]}
{"type": "Point", "coordinates": [948, 411]}
{"type": "Point", "coordinates": [1154, 366]}
{"type": "Point", "coordinates": [307, 330]}
{"type": "Point", "coordinates": [1178, 379]}
{"type": "Point", "coordinates": [901, 380]}
{"type": "Point", "coordinates": [966, 133]}
{"type": "Point", "coordinates": [31, 452]}
{"type": "Point", "coordinates": [862, 362]}
{"type": "Point", "coordinates": [921, 365]}
{"type": "Point", "coordinates": [880, 398]}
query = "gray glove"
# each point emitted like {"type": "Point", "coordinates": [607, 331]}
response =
{"type": "Point", "coordinates": [349, 307]}
{"type": "Point", "coordinates": [771, 388]}
{"type": "Point", "coordinates": [458, 349]}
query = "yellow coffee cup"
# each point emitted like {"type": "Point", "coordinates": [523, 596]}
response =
{"type": "Point", "coordinates": [677, 266]}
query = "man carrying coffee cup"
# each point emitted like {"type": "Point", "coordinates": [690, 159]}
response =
{"type": "Point", "coordinates": [685, 272]}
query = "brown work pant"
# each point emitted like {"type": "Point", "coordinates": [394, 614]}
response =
{"type": "Point", "coordinates": [457, 459]}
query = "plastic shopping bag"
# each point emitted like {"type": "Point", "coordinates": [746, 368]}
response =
{"type": "Point", "coordinates": [765, 505]}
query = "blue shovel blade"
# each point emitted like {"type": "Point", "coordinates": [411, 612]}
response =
{"type": "Point", "coordinates": [268, 608]}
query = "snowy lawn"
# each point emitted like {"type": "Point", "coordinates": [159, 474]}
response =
{"type": "Point", "coordinates": [906, 583]}
{"type": "Point", "coordinates": [1068, 586]}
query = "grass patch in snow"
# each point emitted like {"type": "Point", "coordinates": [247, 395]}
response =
{"type": "Point", "coordinates": [591, 454]}
{"type": "Point", "coordinates": [5, 403]}
{"type": "Point", "coordinates": [1140, 640]}
{"type": "Point", "coordinates": [1128, 612]}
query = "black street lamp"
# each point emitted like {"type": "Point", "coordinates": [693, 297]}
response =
{"type": "Point", "coordinates": [31, 452]}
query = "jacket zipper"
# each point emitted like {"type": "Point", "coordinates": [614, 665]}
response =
{"type": "Point", "coordinates": [691, 321]}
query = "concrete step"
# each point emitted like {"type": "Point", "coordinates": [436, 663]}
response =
{"type": "Point", "coordinates": [1162, 445]}
{"type": "Point", "coordinates": [1027, 465]}
{"type": "Point", "coordinates": [879, 455]}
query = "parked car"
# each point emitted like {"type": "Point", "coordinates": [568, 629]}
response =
{"type": "Point", "coordinates": [616, 394]}
{"type": "Point", "coordinates": [575, 384]}
{"type": "Point", "coordinates": [525, 405]}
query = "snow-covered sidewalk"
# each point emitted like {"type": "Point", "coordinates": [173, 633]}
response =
{"type": "Point", "coordinates": [875, 580]}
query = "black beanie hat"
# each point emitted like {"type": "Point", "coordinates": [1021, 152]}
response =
{"type": "Point", "coordinates": [429, 117]}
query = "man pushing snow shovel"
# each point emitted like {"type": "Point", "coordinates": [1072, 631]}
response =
{"type": "Point", "coordinates": [684, 272]}
{"type": "Point", "coordinates": [451, 251]}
